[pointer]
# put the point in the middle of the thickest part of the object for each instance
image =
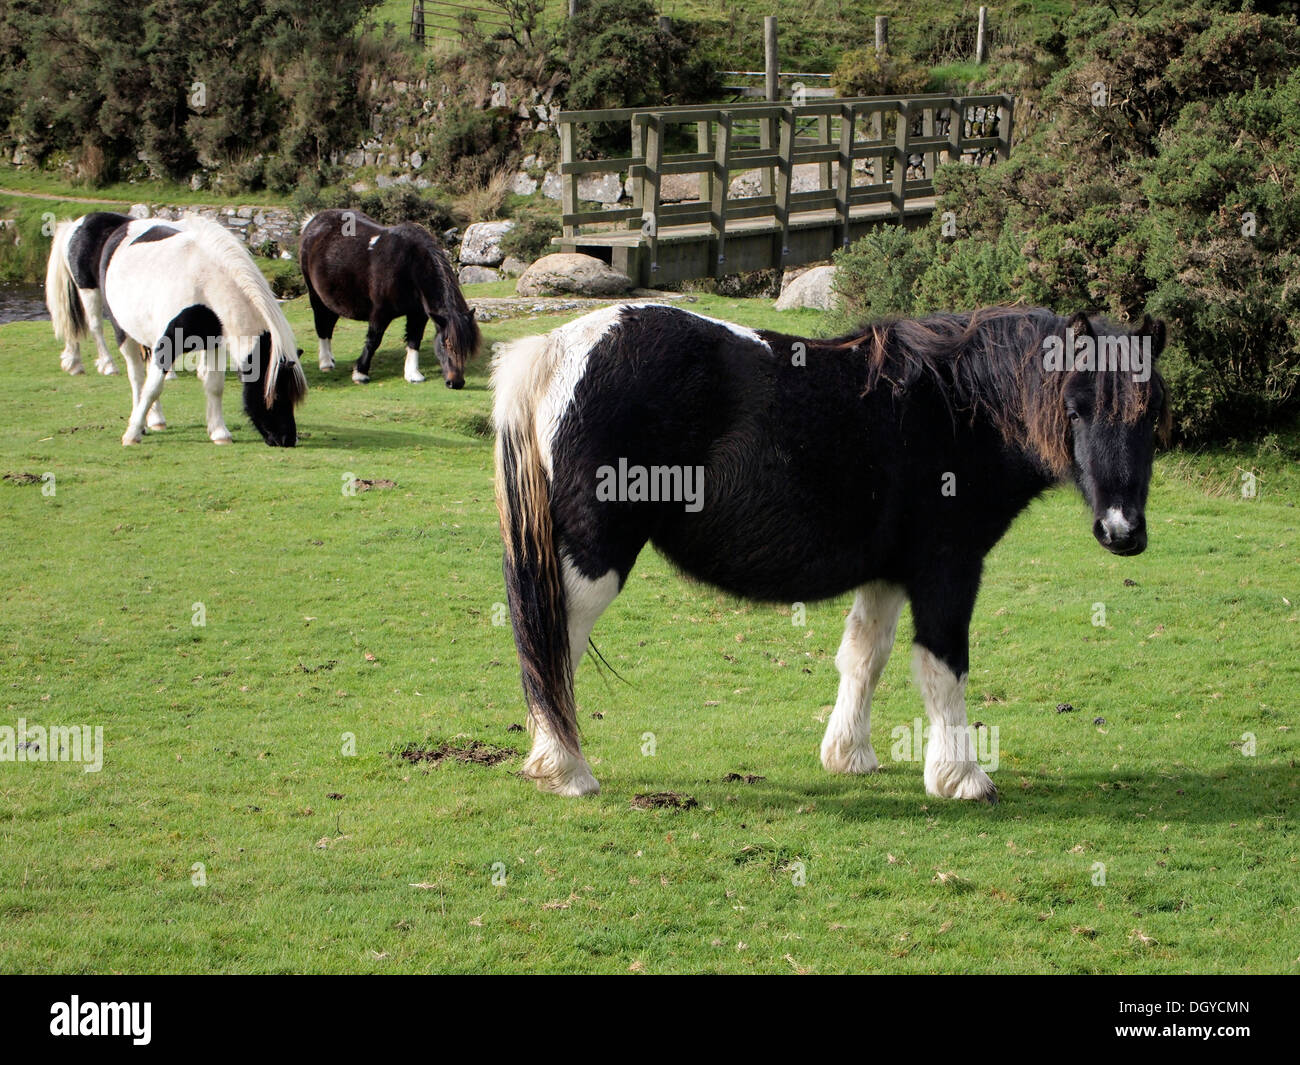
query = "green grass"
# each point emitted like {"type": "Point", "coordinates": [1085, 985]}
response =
{"type": "Point", "coordinates": [372, 615]}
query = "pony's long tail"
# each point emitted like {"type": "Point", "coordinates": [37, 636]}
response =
{"type": "Point", "coordinates": [66, 312]}
{"type": "Point", "coordinates": [534, 580]}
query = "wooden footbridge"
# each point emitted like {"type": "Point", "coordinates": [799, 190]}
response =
{"type": "Point", "coordinates": [815, 176]}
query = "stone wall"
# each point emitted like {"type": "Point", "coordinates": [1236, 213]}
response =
{"type": "Point", "coordinates": [255, 226]}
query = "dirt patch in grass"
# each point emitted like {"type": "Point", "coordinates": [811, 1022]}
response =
{"type": "Point", "coordinates": [742, 778]}
{"type": "Point", "coordinates": [470, 752]}
{"type": "Point", "coordinates": [663, 800]}
{"type": "Point", "coordinates": [22, 478]}
{"type": "Point", "coordinates": [363, 485]}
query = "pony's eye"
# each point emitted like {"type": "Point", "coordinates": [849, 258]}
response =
{"type": "Point", "coordinates": [1074, 415]}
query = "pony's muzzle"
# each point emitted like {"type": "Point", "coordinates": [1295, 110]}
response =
{"type": "Point", "coordinates": [1121, 531]}
{"type": "Point", "coordinates": [459, 383]}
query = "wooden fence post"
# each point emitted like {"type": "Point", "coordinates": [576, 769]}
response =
{"type": "Point", "coordinates": [981, 38]}
{"type": "Point", "coordinates": [772, 91]}
{"type": "Point", "coordinates": [882, 35]}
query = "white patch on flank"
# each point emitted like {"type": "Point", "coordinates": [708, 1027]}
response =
{"type": "Point", "coordinates": [1115, 524]}
{"type": "Point", "coordinates": [951, 771]}
{"type": "Point", "coordinates": [868, 639]}
{"type": "Point", "coordinates": [373, 241]}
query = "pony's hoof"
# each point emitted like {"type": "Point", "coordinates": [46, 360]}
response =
{"type": "Point", "coordinates": [128, 439]}
{"type": "Point", "coordinates": [415, 378]}
{"type": "Point", "coordinates": [571, 786]}
{"type": "Point", "coordinates": [108, 369]}
{"type": "Point", "coordinates": [170, 375]}
{"type": "Point", "coordinates": [850, 760]}
{"type": "Point", "coordinates": [155, 426]}
{"type": "Point", "coordinates": [959, 780]}
{"type": "Point", "coordinates": [326, 367]}
{"type": "Point", "coordinates": [72, 366]}
{"type": "Point", "coordinates": [226, 439]}
{"type": "Point", "coordinates": [360, 378]}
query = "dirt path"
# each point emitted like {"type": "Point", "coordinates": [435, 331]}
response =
{"type": "Point", "coordinates": [71, 198]}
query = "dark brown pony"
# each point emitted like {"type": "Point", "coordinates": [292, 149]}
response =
{"type": "Point", "coordinates": [355, 268]}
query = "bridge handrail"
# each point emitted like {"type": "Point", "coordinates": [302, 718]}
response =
{"type": "Point", "coordinates": [835, 147]}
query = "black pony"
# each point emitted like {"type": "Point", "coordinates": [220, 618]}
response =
{"type": "Point", "coordinates": [355, 268]}
{"type": "Point", "coordinates": [888, 461]}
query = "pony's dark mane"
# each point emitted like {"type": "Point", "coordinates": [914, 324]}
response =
{"type": "Point", "coordinates": [988, 363]}
{"type": "Point", "coordinates": [462, 326]}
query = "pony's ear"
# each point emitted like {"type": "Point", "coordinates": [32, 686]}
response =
{"type": "Point", "coordinates": [300, 353]}
{"type": "Point", "coordinates": [1080, 323]}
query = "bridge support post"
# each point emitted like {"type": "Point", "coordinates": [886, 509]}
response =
{"type": "Point", "coordinates": [772, 90]}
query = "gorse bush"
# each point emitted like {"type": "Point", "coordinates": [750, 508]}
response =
{"type": "Point", "coordinates": [1165, 178]}
{"type": "Point", "coordinates": [619, 57]}
{"type": "Point", "coordinates": [536, 222]}
{"type": "Point", "coordinates": [116, 87]}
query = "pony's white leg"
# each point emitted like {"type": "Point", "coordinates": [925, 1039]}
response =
{"type": "Point", "coordinates": [134, 370]}
{"type": "Point", "coordinates": [951, 771]}
{"type": "Point", "coordinates": [550, 763]}
{"type": "Point", "coordinates": [214, 383]}
{"type": "Point", "coordinates": [93, 301]}
{"type": "Point", "coordinates": [864, 650]}
{"type": "Point", "coordinates": [70, 360]}
{"type": "Point", "coordinates": [149, 392]}
{"type": "Point", "coordinates": [326, 357]}
{"type": "Point", "coordinates": [412, 371]}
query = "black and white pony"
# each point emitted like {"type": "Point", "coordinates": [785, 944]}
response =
{"type": "Point", "coordinates": [72, 292]}
{"type": "Point", "coordinates": [190, 293]}
{"type": "Point", "coordinates": [888, 462]}
{"type": "Point", "coordinates": [358, 269]}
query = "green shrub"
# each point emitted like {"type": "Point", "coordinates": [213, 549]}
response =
{"type": "Point", "coordinates": [863, 73]}
{"type": "Point", "coordinates": [468, 145]}
{"type": "Point", "coordinates": [1177, 193]}
{"type": "Point", "coordinates": [398, 203]}
{"type": "Point", "coordinates": [536, 222]}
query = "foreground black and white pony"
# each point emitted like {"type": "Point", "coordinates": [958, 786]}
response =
{"type": "Point", "coordinates": [358, 269]}
{"type": "Point", "coordinates": [72, 292]}
{"type": "Point", "coordinates": [888, 462]}
{"type": "Point", "coordinates": [190, 294]}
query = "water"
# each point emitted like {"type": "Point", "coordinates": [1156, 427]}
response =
{"type": "Point", "coordinates": [21, 302]}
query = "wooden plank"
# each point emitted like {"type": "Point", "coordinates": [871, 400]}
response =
{"type": "Point", "coordinates": [720, 193]}
{"type": "Point", "coordinates": [784, 179]}
{"type": "Point", "coordinates": [704, 142]}
{"type": "Point", "coordinates": [844, 182]}
{"type": "Point", "coordinates": [902, 132]}
{"type": "Point", "coordinates": [650, 190]}
{"type": "Point", "coordinates": [1006, 107]}
{"type": "Point", "coordinates": [568, 185]}
{"type": "Point", "coordinates": [825, 152]}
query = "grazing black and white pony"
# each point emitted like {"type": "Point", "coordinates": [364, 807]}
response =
{"type": "Point", "coordinates": [888, 462]}
{"type": "Point", "coordinates": [72, 292]}
{"type": "Point", "coordinates": [358, 269]}
{"type": "Point", "coordinates": [190, 292]}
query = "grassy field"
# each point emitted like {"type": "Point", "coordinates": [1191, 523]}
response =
{"type": "Point", "coordinates": [232, 829]}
